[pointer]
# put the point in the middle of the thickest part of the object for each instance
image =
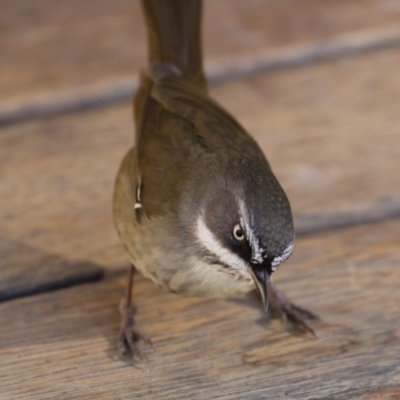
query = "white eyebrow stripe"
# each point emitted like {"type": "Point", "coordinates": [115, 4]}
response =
{"type": "Point", "coordinates": [285, 255]}
{"type": "Point", "coordinates": [257, 250]}
{"type": "Point", "coordinates": [213, 245]}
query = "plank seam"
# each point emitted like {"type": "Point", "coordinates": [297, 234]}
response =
{"type": "Point", "coordinates": [226, 70]}
{"type": "Point", "coordinates": [311, 224]}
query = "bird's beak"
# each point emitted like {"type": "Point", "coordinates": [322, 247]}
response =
{"type": "Point", "coordinates": [261, 276]}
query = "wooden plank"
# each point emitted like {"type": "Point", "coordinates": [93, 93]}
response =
{"type": "Point", "coordinates": [62, 344]}
{"type": "Point", "coordinates": [53, 52]}
{"type": "Point", "coordinates": [330, 132]}
{"type": "Point", "coordinates": [26, 271]}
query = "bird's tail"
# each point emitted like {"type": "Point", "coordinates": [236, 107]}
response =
{"type": "Point", "coordinates": [174, 36]}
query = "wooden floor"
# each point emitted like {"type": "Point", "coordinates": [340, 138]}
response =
{"type": "Point", "coordinates": [318, 85]}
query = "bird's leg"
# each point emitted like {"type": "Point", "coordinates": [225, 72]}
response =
{"type": "Point", "coordinates": [128, 336]}
{"type": "Point", "coordinates": [281, 307]}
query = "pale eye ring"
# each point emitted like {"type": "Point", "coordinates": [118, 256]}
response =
{"type": "Point", "coordinates": [238, 233]}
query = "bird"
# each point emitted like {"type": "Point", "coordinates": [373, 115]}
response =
{"type": "Point", "coordinates": [196, 204]}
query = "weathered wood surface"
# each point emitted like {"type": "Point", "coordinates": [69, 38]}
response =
{"type": "Point", "coordinates": [62, 344]}
{"type": "Point", "coordinates": [331, 132]}
{"type": "Point", "coordinates": [66, 55]}
{"type": "Point", "coordinates": [26, 271]}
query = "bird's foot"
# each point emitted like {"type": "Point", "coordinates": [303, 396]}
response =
{"type": "Point", "coordinates": [128, 336]}
{"type": "Point", "coordinates": [281, 307]}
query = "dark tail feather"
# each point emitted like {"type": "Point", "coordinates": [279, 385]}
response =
{"type": "Point", "coordinates": [174, 36]}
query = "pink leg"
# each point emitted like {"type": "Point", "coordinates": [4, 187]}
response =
{"type": "Point", "coordinates": [129, 337]}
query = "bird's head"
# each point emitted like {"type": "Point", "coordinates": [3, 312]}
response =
{"type": "Point", "coordinates": [247, 225]}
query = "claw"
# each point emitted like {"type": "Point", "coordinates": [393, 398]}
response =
{"type": "Point", "coordinates": [283, 308]}
{"type": "Point", "coordinates": [129, 337]}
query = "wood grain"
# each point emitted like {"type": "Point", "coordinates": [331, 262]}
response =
{"type": "Point", "coordinates": [70, 54]}
{"type": "Point", "coordinates": [26, 271]}
{"type": "Point", "coordinates": [62, 344]}
{"type": "Point", "coordinates": [330, 132]}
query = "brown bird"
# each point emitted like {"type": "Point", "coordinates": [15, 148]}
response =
{"type": "Point", "coordinates": [196, 204]}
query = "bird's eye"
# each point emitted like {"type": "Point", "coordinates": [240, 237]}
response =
{"type": "Point", "coordinates": [238, 233]}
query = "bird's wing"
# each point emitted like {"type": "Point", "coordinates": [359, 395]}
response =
{"type": "Point", "coordinates": [165, 144]}
{"type": "Point", "coordinates": [177, 125]}
{"type": "Point", "coordinates": [214, 125]}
